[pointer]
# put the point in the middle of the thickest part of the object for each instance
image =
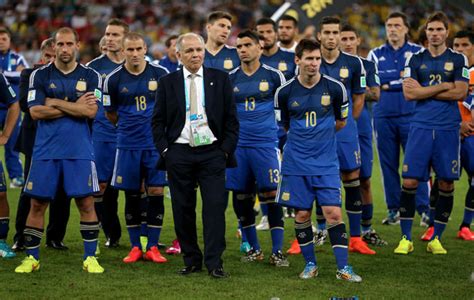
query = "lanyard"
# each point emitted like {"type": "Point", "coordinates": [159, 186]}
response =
{"type": "Point", "coordinates": [186, 94]}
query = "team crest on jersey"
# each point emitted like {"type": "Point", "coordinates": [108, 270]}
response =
{"type": "Point", "coordinates": [263, 86]}
{"type": "Point", "coordinates": [448, 66]}
{"type": "Point", "coordinates": [228, 64]}
{"type": "Point", "coordinates": [236, 90]}
{"type": "Point", "coordinates": [152, 85]}
{"type": "Point", "coordinates": [282, 66]}
{"type": "Point", "coordinates": [344, 72]}
{"type": "Point", "coordinates": [81, 85]}
{"type": "Point", "coordinates": [52, 85]}
{"type": "Point", "coordinates": [29, 186]}
{"type": "Point", "coordinates": [405, 168]}
{"type": "Point", "coordinates": [119, 179]}
{"type": "Point", "coordinates": [285, 196]}
{"type": "Point", "coordinates": [325, 100]}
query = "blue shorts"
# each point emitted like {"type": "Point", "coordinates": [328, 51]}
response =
{"type": "Point", "coordinates": [366, 156]}
{"type": "Point", "coordinates": [467, 155]}
{"type": "Point", "coordinates": [78, 178]}
{"type": "Point", "coordinates": [348, 154]}
{"type": "Point", "coordinates": [133, 166]}
{"type": "Point", "coordinates": [258, 169]}
{"type": "Point", "coordinates": [300, 191]}
{"type": "Point", "coordinates": [434, 148]}
{"type": "Point", "coordinates": [104, 158]}
{"type": "Point", "coordinates": [3, 181]}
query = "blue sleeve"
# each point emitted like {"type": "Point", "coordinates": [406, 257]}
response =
{"type": "Point", "coordinates": [340, 102]}
{"type": "Point", "coordinates": [461, 70]}
{"type": "Point", "coordinates": [358, 77]}
{"type": "Point", "coordinates": [372, 74]}
{"type": "Point", "coordinates": [411, 67]}
{"type": "Point", "coordinates": [7, 94]}
{"type": "Point", "coordinates": [109, 100]}
{"type": "Point", "coordinates": [281, 101]}
{"type": "Point", "coordinates": [36, 90]}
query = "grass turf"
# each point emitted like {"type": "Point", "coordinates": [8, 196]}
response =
{"type": "Point", "coordinates": [419, 275]}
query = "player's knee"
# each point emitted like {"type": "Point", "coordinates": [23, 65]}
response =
{"type": "Point", "coordinates": [347, 176]}
{"type": "Point", "coordinates": [446, 185]}
{"type": "Point", "coordinates": [38, 207]}
{"type": "Point", "coordinates": [333, 215]}
{"type": "Point", "coordinates": [365, 184]}
{"type": "Point", "coordinates": [102, 187]}
{"type": "Point", "coordinates": [302, 216]}
{"type": "Point", "coordinates": [410, 183]}
{"type": "Point", "coordinates": [85, 206]}
{"type": "Point", "coordinates": [270, 194]}
{"type": "Point", "coordinates": [155, 191]}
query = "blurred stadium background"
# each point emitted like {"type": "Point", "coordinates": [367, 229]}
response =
{"type": "Point", "coordinates": [32, 21]}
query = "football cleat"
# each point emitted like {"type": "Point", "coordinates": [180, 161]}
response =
{"type": "Point", "coordinates": [143, 242]}
{"type": "Point", "coordinates": [465, 234]}
{"type": "Point", "coordinates": [356, 244]}
{"type": "Point", "coordinates": [154, 255]}
{"type": "Point", "coordinates": [238, 233]}
{"type": "Point", "coordinates": [348, 274]}
{"type": "Point", "coordinates": [428, 235]}
{"type": "Point", "coordinates": [252, 255]}
{"type": "Point", "coordinates": [320, 237]}
{"type": "Point", "coordinates": [393, 218]}
{"type": "Point", "coordinates": [279, 260]}
{"type": "Point", "coordinates": [28, 265]}
{"type": "Point", "coordinates": [91, 265]}
{"type": "Point", "coordinates": [294, 248]}
{"type": "Point", "coordinates": [6, 251]}
{"type": "Point", "coordinates": [371, 237]}
{"type": "Point", "coordinates": [263, 225]}
{"type": "Point", "coordinates": [404, 247]}
{"type": "Point", "coordinates": [97, 250]}
{"type": "Point", "coordinates": [17, 182]}
{"type": "Point", "coordinates": [310, 271]}
{"type": "Point", "coordinates": [435, 247]}
{"type": "Point", "coordinates": [175, 248]}
{"type": "Point", "coordinates": [133, 256]}
{"type": "Point", "coordinates": [245, 247]}
{"type": "Point", "coordinates": [425, 220]}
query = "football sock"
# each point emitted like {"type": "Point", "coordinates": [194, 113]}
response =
{"type": "Point", "coordinates": [407, 210]}
{"type": "Point", "coordinates": [469, 208]}
{"type": "Point", "coordinates": [33, 240]}
{"type": "Point", "coordinates": [234, 195]}
{"type": "Point", "coordinates": [243, 207]}
{"type": "Point", "coordinates": [277, 224]}
{"type": "Point", "coordinates": [353, 206]}
{"type": "Point", "coordinates": [338, 237]}
{"type": "Point", "coordinates": [155, 214]}
{"type": "Point", "coordinates": [4, 222]}
{"type": "Point", "coordinates": [443, 211]}
{"type": "Point", "coordinates": [367, 213]}
{"type": "Point", "coordinates": [304, 235]}
{"type": "Point", "coordinates": [132, 217]}
{"type": "Point", "coordinates": [433, 199]}
{"type": "Point", "coordinates": [143, 214]}
{"type": "Point", "coordinates": [89, 233]}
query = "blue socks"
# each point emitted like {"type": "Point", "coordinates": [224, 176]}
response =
{"type": "Point", "coordinates": [89, 233]}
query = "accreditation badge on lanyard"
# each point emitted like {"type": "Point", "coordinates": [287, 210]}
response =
{"type": "Point", "coordinates": [200, 132]}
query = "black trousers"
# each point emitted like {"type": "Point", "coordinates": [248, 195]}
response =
{"type": "Point", "coordinates": [58, 213]}
{"type": "Point", "coordinates": [109, 219]}
{"type": "Point", "coordinates": [188, 166]}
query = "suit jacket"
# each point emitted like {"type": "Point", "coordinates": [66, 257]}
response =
{"type": "Point", "coordinates": [26, 137]}
{"type": "Point", "coordinates": [169, 114]}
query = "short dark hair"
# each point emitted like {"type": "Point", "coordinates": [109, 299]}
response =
{"type": "Point", "coordinates": [306, 45]}
{"type": "Point", "coordinates": [422, 38]}
{"type": "Point", "coordinates": [438, 16]}
{"type": "Point", "coordinates": [133, 36]}
{"type": "Point", "coordinates": [5, 30]}
{"type": "Point", "coordinates": [217, 15]}
{"type": "Point", "coordinates": [66, 30]}
{"type": "Point", "coordinates": [250, 34]}
{"type": "Point", "coordinates": [169, 39]}
{"type": "Point", "coordinates": [329, 20]}
{"type": "Point", "coordinates": [289, 18]}
{"type": "Point", "coordinates": [121, 23]}
{"type": "Point", "coordinates": [47, 43]}
{"type": "Point", "coordinates": [349, 27]}
{"type": "Point", "coordinates": [465, 34]}
{"type": "Point", "coordinates": [265, 21]}
{"type": "Point", "coordinates": [397, 14]}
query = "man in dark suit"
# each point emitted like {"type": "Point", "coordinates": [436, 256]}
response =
{"type": "Point", "coordinates": [195, 129]}
{"type": "Point", "coordinates": [59, 210]}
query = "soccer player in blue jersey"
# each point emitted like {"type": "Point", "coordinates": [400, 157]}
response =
{"type": "Point", "coordinates": [219, 55]}
{"type": "Point", "coordinates": [287, 33]}
{"type": "Point", "coordinates": [435, 79]}
{"type": "Point", "coordinates": [258, 158]}
{"type": "Point", "coordinates": [392, 114]}
{"type": "Point", "coordinates": [349, 70]}
{"type": "Point", "coordinates": [313, 107]}
{"type": "Point", "coordinates": [7, 97]}
{"type": "Point", "coordinates": [62, 97]}
{"type": "Point", "coordinates": [11, 65]}
{"type": "Point", "coordinates": [104, 135]}
{"type": "Point", "coordinates": [129, 98]}
{"type": "Point", "coordinates": [350, 41]}
{"type": "Point", "coordinates": [170, 60]}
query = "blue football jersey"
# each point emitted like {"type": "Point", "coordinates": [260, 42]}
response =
{"type": "Point", "coordinates": [450, 66]}
{"type": "Point", "coordinates": [283, 61]}
{"type": "Point", "coordinates": [254, 98]}
{"type": "Point", "coordinates": [102, 129]}
{"type": "Point", "coordinates": [310, 115]}
{"type": "Point", "coordinates": [7, 94]}
{"type": "Point", "coordinates": [364, 124]}
{"type": "Point", "coordinates": [9, 61]}
{"type": "Point", "coordinates": [225, 60]}
{"type": "Point", "coordinates": [390, 64]}
{"type": "Point", "coordinates": [349, 70]}
{"type": "Point", "coordinates": [133, 98]}
{"type": "Point", "coordinates": [168, 64]}
{"type": "Point", "coordinates": [66, 137]}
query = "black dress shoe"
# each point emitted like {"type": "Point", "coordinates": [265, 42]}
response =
{"type": "Point", "coordinates": [112, 243]}
{"type": "Point", "coordinates": [58, 245]}
{"type": "Point", "coordinates": [188, 270]}
{"type": "Point", "coordinates": [18, 246]}
{"type": "Point", "coordinates": [218, 273]}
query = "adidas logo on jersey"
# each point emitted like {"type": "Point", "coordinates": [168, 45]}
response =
{"type": "Point", "coordinates": [382, 58]}
{"type": "Point", "coordinates": [295, 104]}
{"type": "Point", "coordinates": [124, 90]}
{"type": "Point", "coordinates": [423, 66]}
{"type": "Point", "coordinates": [52, 85]}
{"type": "Point", "coordinates": [236, 90]}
